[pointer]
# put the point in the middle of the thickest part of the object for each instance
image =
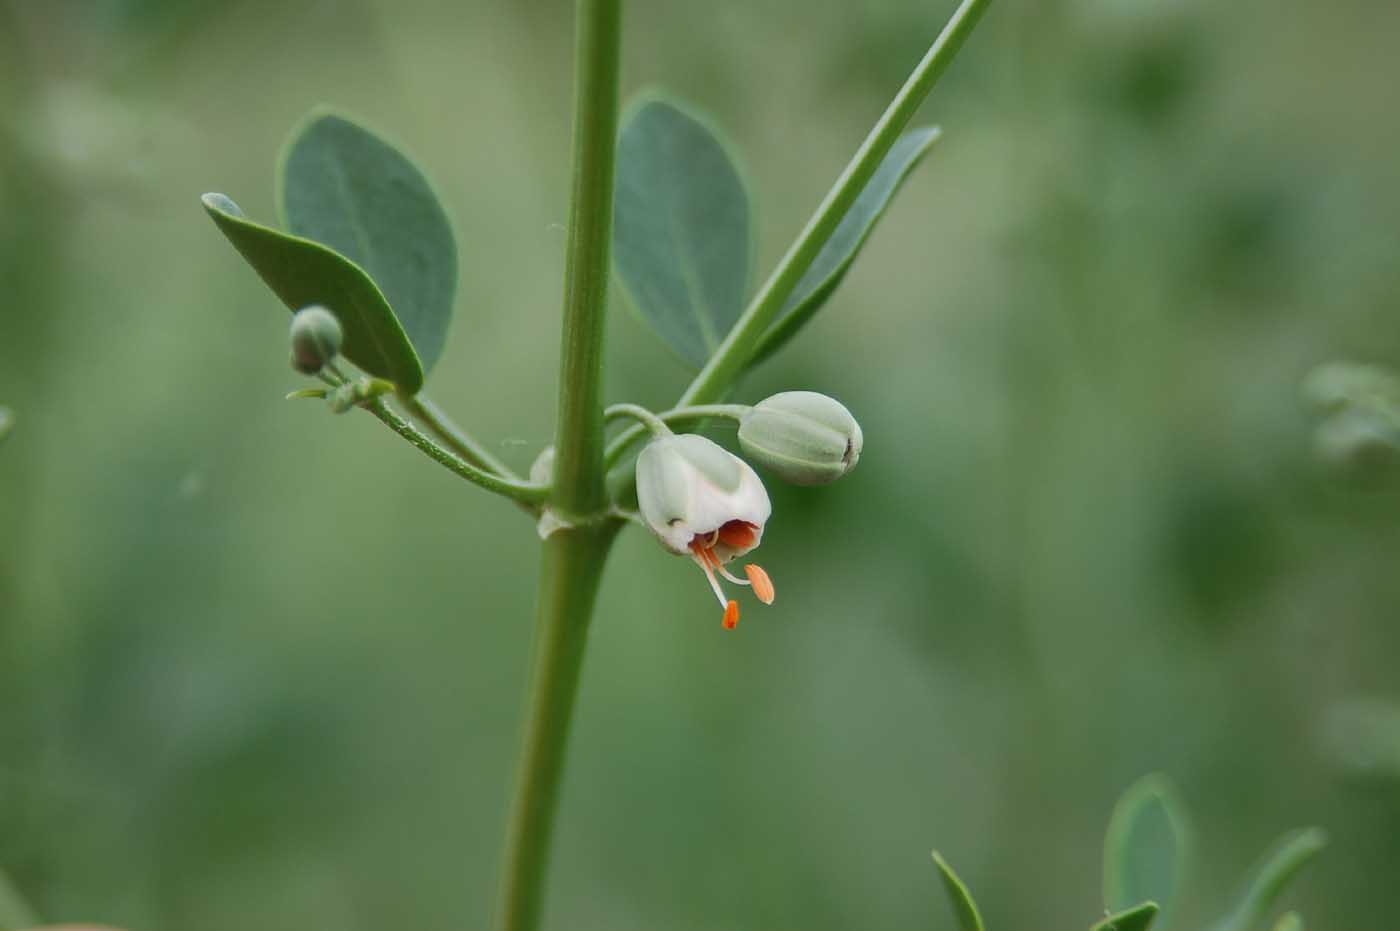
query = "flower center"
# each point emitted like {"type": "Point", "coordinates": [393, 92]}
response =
{"type": "Point", "coordinates": [735, 535]}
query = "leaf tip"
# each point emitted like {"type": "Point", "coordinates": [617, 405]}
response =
{"type": "Point", "coordinates": [220, 203]}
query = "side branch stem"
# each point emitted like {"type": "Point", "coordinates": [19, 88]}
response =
{"type": "Point", "coordinates": [739, 345]}
{"type": "Point", "coordinates": [523, 492]}
{"type": "Point", "coordinates": [458, 440]}
{"type": "Point", "coordinates": [619, 446]}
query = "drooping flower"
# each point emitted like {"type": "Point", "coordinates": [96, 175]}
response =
{"type": "Point", "coordinates": [704, 502]}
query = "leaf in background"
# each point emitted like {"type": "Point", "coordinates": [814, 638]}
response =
{"type": "Point", "coordinates": [1137, 918]}
{"type": "Point", "coordinates": [302, 272]}
{"type": "Point", "coordinates": [1289, 921]}
{"type": "Point", "coordinates": [1145, 847]}
{"type": "Point", "coordinates": [835, 258]}
{"type": "Point", "coordinates": [1292, 852]}
{"type": "Point", "coordinates": [343, 186]}
{"type": "Point", "coordinates": [682, 234]}
{"type": "Point", "coordinates": [15, 911]}
{"type": "Point", "coordinates": [1361, 737]}
{"type": "Point", "coordinates": [7, 422]}
{"type": "Point", "coordinates": [958, 896]}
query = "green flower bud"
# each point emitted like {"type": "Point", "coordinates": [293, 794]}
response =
{"type": "Point", "coordinates": [542, 469]}
{"type": "Point", "coordinates": [1337, 385]}
{"type": "Point", "coordinates": [805, 437]}
{"type": "Point", "coordinates": [316, 337]}
{"type": "Point", "coordinates": [1360, 444]}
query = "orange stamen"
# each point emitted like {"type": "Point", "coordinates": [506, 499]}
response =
{"type": "Point", "coordinates": [731, 615]}
{"type": "Point", "coordinates": [738, 534]}
{"type": "Point", "coordinates": [762, 585]}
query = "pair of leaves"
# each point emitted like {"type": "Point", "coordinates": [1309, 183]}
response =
{"type": "Point", "coordinates": [1136, 918]}
{"type": "Point", "coordinates": [1147, 853]}
{"type": "Point", "coordinates": [366, 238]}
{"type": "Point", "coordinates": [683, 240]}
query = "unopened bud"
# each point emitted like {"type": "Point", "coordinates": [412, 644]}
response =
{"type": "Point", "coordinates": [542, 469]}
{"type": "Point", "coordinates": [1337, 385]}
{"type": "Point", "coordinates": [1360, 444]}
{"type": "Point", "coordinates": [804, 437]}
{"type": "Point", "coordinates": [316, 337]}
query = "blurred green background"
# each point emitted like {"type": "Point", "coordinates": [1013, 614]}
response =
{"type": "Point", "coordinates": [261, 667]}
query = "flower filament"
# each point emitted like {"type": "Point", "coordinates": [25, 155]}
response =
{"type": "Point", "coordinates": [712, 550]}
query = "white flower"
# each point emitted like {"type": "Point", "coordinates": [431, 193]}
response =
{"type": "Point", "coordinates": [707, 503]}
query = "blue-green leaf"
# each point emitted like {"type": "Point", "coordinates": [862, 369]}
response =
{"type": "Point", "coordinates": [836, 256]}
{"type": "Point", "coordinates": [682, 234]}
{"type": "Point", "coordinates": [1146, 847]}
{"type": "Point", "coordinates": [963, 907]}
{"type": "Point", "coordinates": [1137, 918]}
{"type": "Point", "coordinates": [1289, 855]}
{"type": "Point", "coordinates": [343, 186]}
{"type": "Point", "coordinates": [302, 272]}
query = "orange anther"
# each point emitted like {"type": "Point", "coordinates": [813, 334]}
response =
{"type": "Point", "coordinates": [731, 615]}
{"type": "Point", "coordinates": [762, 585]}
{"type": "Point", "coordinates": [738, 534]}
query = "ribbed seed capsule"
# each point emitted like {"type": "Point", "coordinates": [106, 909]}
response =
{"type": "Point", "coordinates": [805, 437]}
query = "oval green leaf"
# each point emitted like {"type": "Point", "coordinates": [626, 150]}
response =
{"type": "Point", "coordinates": [682, 233]}
{"type": "Point", "coordinates": [1137, 918]}
{"type": "Point", "coordinates": [1289, 855]}
{"type": "Point", "coordinates": [836, 256]}
{"type": "Point", "coordinates": [1145, 847]}
{"type": "Point", "coordinates": [341, 185]}
{"type": "Point", "coordinates": [964, 908]}
{"type": "Point", "coordinates": [302, 272]}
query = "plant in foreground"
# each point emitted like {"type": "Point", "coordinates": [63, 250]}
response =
{"type": "Point", "coordinates": [366, 260]}
{"type": "Point", "coordinates": [1146, 860]}
{"type": "Point", "coordinates": [365, 257]}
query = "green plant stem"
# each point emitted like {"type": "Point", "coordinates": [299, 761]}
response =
{"type": "Point", "coordinates": [739, 345]}
{"type": "Point", "coordinates": [569, 575]}
{"type": "Point", "coordinates": [618, 447]}
{"type": "Point", "coordinates": [744, 337]}
{"type": "Point", "coordinates": [573, 556]}
{"type": "Point", "coordinates": [523, 492]}
{"type": "Point", "coordinates": [578, 441]}
{"type": "Point", "coordinates": [646, 418]}
{"type": "Point", "coordinates": [458, 440]}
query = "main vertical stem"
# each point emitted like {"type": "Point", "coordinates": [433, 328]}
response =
{"type": "Point", "coordinates": [569, 576]}
{"type": "Point", "coordinates": [573, 557]}
{"type": "Point", "coordinates": [578, 442]}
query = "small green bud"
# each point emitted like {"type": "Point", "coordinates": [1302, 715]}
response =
{"type": "Point", "coordinates": [542, 469]}
{"type": "Point", "coordinates": [805, 437]}
{"type": "Point", "coordinates": [1336, 385]}
{"type": "Point", "coordinates": [316, 336]}
{"type": "Point", "coordinates": [1360, 444]}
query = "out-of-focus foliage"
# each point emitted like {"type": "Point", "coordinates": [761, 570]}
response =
{"type": "Point", "coordinates": [262, 668]}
